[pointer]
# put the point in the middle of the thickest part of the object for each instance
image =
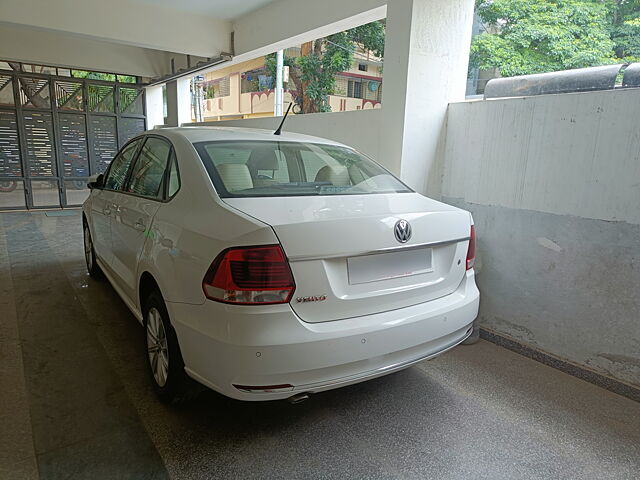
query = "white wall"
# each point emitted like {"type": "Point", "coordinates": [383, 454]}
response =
{"type": "Point", "coordinates": [553, 183]}
{"type": "Point", "coordinates": [358, 129]}
{"type": "Point", "coordinates": [574, 154]}
{"type": "Point", "coordinates": [125, 22]}
{"type": "Point", "coordinates": [154, 106]}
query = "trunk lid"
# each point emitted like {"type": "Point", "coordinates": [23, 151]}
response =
{"type": "Point", "coordinates": [346, 260]}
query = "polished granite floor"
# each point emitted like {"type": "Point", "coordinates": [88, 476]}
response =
{"type": "Point", "coordinates": [76, 402]}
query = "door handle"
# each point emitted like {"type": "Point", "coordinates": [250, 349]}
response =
{"type": "Point", "coordinates": [139, 226]}
{"type": "Point", "coordinates": [106, 211]}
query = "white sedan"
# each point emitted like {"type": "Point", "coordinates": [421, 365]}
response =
{"type": "Point", "coordinates": [270, 267]}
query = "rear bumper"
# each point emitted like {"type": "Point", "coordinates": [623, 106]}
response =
{"type": "Point", "coordinates": [224, 345]}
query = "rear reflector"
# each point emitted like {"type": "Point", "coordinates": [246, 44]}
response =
{"type": "Point", "coordinates": [265, 388]}
{"type": "Point", "coordinates": [471, 252]}
{"type": "Point", "coordinates": [250, 276]}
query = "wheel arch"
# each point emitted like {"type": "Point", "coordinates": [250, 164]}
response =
{"type": "Point", "coordinates": [87, 217]}
{"type": "Point", "coordinates": [146, 285]}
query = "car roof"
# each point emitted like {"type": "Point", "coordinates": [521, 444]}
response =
{"type": "Point", "coordinates": [204, 134]}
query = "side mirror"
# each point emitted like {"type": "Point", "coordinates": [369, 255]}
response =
{"type": "Point", "coordinates": [96, 181]}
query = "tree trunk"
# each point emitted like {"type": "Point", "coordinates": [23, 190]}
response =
{"type": "Point", "coordinates": [293, 77]}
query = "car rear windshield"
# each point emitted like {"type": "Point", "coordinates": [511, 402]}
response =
{"type": "Point", "coordinates": [276, 169]}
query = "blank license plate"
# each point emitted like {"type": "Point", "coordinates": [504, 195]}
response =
{"type": "Point", "coordinates": [384, 266]}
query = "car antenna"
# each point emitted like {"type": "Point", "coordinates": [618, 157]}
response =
{"type": "Point", "coordinates": [279, 130]}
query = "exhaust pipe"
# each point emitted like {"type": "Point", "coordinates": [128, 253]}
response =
{"type": "Point", "coordinates": [299, 398]}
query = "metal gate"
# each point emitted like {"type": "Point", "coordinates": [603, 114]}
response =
{"type": "Point", "coordinates": [56, 131]}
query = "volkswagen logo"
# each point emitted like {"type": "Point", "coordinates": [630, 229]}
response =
{"type": "Point", "coordinates": [402, 231]}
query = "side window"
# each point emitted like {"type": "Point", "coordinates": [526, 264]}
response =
{"type": "Point", "coordinates": [148, 171]}
{"type": "Point", "coordinates": [174, 177]}
{"type": "Point", "coordinates": [120, 166]}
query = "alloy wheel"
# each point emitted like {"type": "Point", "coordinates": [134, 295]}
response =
{"type": "Point", "coordinates": [88, 248]}
{"type": "Point", "coordinates": [157, 348]}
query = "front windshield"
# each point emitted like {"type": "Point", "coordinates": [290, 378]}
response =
{"type": "Point", "coordinates": [276, 169]}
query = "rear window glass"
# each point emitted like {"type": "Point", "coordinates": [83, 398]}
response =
{"type": "Point", "coordinates": [273, 169]}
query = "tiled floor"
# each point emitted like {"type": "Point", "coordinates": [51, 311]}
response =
{"type": "Point", "coordinates": [76, 402]}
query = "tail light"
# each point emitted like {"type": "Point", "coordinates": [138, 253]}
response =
{"type": "Point", "coordinates": [471, 252]}
{"type": "Point", "coordinates": [250, 276]}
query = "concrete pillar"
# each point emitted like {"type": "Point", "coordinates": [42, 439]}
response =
{"type": "Point", "coordinates": [172, 103]}
{"type": "Point", "coordinates": [425, 67]}
{"type": "Point", "coordinates": [154, 106]}
{"type": "Point", "coordinates": [279, 90]}
{"type": "Point", "coordinates": [235, 90]}
{"type": "Point", "coordinates": [179, 101]}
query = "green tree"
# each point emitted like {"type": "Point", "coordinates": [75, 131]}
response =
{"type": "Point", "coordinates": [313, 72]}
{"type": "Point", "coordinates": [109, 77]}
{"type": "Point", "coordinates": [534, 36]}
{"type": "Point", "coordinates": [625, 29]}
{"type": "Point", "coordinates": [209, 92]}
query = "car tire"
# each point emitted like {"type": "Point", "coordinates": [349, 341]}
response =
{"type": "Point", "coordinates": [474, 337]}
{"type": "Point", "coordinates": [90, 254]}
{"type": "Point", "coordinates": [164, 359]}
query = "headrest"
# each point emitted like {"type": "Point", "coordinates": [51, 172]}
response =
{"type": "Point", "coordinates": [235, 176]}
{"type": "Point", "coordinates": [262, 158]}
{"type": "Point", "coordinates": [355, 174]}
{"type": "Point", "coordinates": [338, 176]}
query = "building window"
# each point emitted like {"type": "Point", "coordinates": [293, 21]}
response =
{"type": "Point", "coordinates": [362, 67]}
{"type": "Point", "coordinates": [255, 80]}
{"type": "Point", "coordinates": [354, 89]}
{"type": "Point", "coordinates": [342, 83]}
{"type": "Point", "coordinates": [217, 88]}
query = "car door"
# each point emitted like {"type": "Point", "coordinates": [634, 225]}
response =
{"type": "Point", "coordinates": [136, 208]}
{"type": "Point", "coordinates": [104, 199]}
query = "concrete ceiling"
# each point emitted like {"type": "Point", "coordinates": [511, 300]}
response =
{"type": "Point", "coordinates": [222, 9]}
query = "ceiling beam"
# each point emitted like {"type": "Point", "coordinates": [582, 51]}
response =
{"type": "Point", "coordinates": [285, 23]}
{"type": "Point", "coordinates": [42, 47]}
{"type": "Point", "coordinates": [124, 22]}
